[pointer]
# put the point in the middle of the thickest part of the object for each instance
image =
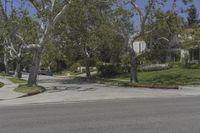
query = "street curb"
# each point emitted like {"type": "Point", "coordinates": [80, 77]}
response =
{"type": "Point", "coordinates": [109, 82]}
{"type": "Point", "coordinates": [155, 87]}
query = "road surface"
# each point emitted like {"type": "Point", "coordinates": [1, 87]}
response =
{"type": "Point", "coordinates": [174, 115]}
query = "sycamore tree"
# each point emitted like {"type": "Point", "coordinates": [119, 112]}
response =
{"type": "Point", "coordinates": [163, 38]}
{"type": "Point", "coordinates": [134, 12]}
{"type": "Point", "coordinates": [142, 14]}
{"type": "Point", "coordinates": [193, 20]}
{"type": "Point", "coordinates": [11, 39]}
{"type": "Point", "coordinates": [88, 26]}
{"type": "Point", "coordinates": [22, 40]}
{"type": "Point", "coordinates": [16, 26]}
{"type": "Point", "coordinates": [48, 14]}
{"type": "Point", "coordinates": [3, 34]}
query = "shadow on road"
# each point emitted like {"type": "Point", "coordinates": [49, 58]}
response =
{"type": "Point", "coordinates": [65, 81]}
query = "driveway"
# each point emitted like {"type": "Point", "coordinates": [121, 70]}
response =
{"type": "Point", "coordinates": [62, 89]}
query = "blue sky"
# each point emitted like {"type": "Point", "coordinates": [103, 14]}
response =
{"type": "Point", "coordinates": [141, 3]}
{"type": "Point", "coordinates": [168, 6]}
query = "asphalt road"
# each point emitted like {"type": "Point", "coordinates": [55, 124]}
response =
{"type": "Point", "coordinates": [177, 115]}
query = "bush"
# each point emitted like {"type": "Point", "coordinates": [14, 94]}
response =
{"type": "Point", "coordinates": [194, 66]}
{"type": "Point", "coordinates": [154, 67]}
{"type": "Point", "coordinates": [183, 65]}
{"type": "Point", "coordinates": [74, 67]}
{"type": "Point", "coordinates": [110, 70]}
{"type": "Point", "coordinates": [188, 66]}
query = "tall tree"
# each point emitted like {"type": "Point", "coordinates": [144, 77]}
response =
{"type": "Point", "coordinates": [91, 29]}
{"type": "Point", "coordinates": [143, 17]}
{"type": "Point", "coordinates": [143, 13]}
{"type": "Point", "coordinates": [193, 20]}
{"type": "Point", "coordinates": [4, 20]}
{"type": "Point", "coordinates": [163, 38]}
{"type": "Point", "coordinates": [49, 12]}
{"type": "Point", "coordinates": [15, 33]}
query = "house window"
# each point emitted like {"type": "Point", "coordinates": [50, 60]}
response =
{"type": "Point", "coordinates": [194, 54]}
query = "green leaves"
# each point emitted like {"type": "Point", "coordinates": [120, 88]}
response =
{"type": "Point", "coordinates": [192, 18]}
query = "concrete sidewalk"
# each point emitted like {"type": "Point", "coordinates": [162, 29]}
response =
{"type": "Point", "coordinates": [7, 91]}
{"type": "Point", "coordinates": [62, 89]}
{"type": "Point", "coordinates": [93, 92]}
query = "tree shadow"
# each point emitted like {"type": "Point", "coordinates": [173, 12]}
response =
{"type": "Point", "coordinates": [66, 81]}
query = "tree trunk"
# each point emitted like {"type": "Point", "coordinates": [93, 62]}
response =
{"type": "Point", "coordinates": [32, 80]}
{"type": "Point", "coordinates": [199, 55]}
{"type": "Point", "coordinates": [192, 55]}
{"type": "Point", "coordinates": [168, 58]}
{"type": "Point", "coordinates": [18, 73]}
{"type": "Point", "coordinates": [6, 63]}
{"type": "Point", "coordinates": [134, 78]}
{"type": "Point", "coordinates": [87, 66]}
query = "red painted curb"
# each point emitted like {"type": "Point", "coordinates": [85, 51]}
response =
{"type": "Point", "coordinates": [155, 87]}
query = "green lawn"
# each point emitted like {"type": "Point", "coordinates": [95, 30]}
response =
{"type": "Point", "coordinates": [66, 72]}
{"type": "Point", "coordinates": [13, 79]}
{"type": "Point", "coordinates": [23, 88]}
{"type": "Point", "coordinates": [174, 76]}
{"type": "Point", "coordinates": [3, 74]}
{"type": "Point", "coordinates": [17, 81]}
{"type": "Point", "coordinates": [1, 84]}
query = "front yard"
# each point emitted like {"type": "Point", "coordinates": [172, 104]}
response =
{"type": "Point", "coordinates": [173, 76]}
{"type": "Point", "coordinates": [24, 88]}
{"type": "Point", "coordinates": [17, 81]}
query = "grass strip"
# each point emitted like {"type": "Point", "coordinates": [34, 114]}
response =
{"type": "Point", "coordinates": [1, 84]}
{"type": "Point", "coordinates": [23, 88]}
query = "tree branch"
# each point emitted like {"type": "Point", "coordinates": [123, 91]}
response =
{"type": "Point", "coordinates": [36, 5]}
{"type": "Point", "coordinates": [61, 12]}
{"type": "Point", "coordinates": [31, 46]}
{"type": "Point", "coordinates": [52, 4]}
{"type": "Point", "coordinates": [143, 21]}
{"type": "Point", "coordinates": [20, 38]}
{"type": "Point", "coordinates": [163, 38]}
{"type": "Point", "coordinates": [4, 15]}
{"type": "Point", "coordinates": [136, 7]}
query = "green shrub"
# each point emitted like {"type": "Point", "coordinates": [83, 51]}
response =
{"type": "Point", "coordinates": [154, 67]}
{"type": "Point", "coordinates": [74, 67]}
{"type": "Point", "coordinates": [194, 66]}
{"type": "Point", "coordinates": [110, 70]}
{"type": "Point", "coordinates": [182, 65]}
{"type": "Point", "coordinates": [189, 66]}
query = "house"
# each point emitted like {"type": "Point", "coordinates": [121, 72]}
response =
{"type": "Point", "coordinates": [189, 45]}
{"type": "Point", "coordinates": [183, 47]}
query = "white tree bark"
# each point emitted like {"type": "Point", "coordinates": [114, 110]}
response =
{"type": "Point", "coordinates": [43, 40]}
{"type": "Point", "coordinates": [6, 62]}
{"type": "Point", "coordinates": [143, 18]}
